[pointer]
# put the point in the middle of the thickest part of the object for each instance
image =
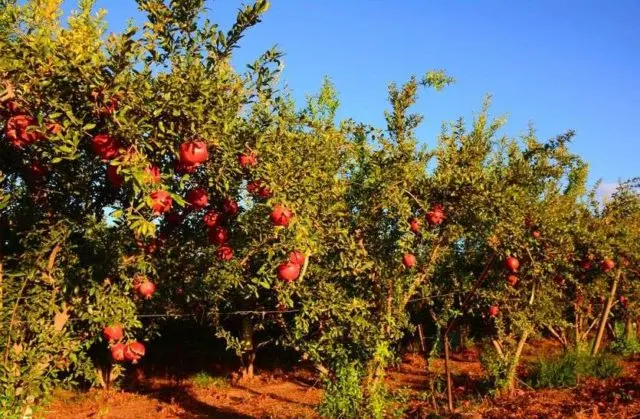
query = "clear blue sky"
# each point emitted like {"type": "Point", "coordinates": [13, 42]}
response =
{"type": "Point", "coordinates": [562, 64]}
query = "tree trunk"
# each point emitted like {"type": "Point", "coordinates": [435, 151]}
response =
{"type": "Point", "coordinates": [513, 368]}
{"type": "Point", "coordinates": [445, 341]}
{"type": "Point", "coordinates": [248, 354]}
{"type": "Point", "coordinates": [628, 329]}
{"type": "Point", "coordinates": [605, 315]}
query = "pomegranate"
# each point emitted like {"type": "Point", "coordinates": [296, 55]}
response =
{"type": "Point", "coordinates": [161, 202]}
{"type": "Point", "coordinates": [624, 301]}
{"type": "Point", "coordinates": [197, 198]}
{"type": "Point", "coordinates": [212, 219]}
{"type": "Point", "coordinates": [281, 216]}
{"type": "Point", "coordinates": [494, 311]}
{"type": "Point", "coordinates": [259, 188]}
{"type": "Point", "coordinates": [146, 289]}
{"type": "Point", "coordinates": [114, 177]}
{"type": "Point", "coordinates": [152, 174]}
{"type": "Point", "coordinates": [585, 264]}
{"type": "Point", "coordinates": [105, 146]}
{"type": "Point", "coordinates": [113, 333]}
{"type": "Point", "coordinates": [512, 264]}
{"type": "Point", "coordinates": [409, 260]}
{"type": "Point", "coordinates": [288, 271]}
{"type": "Point", "coordinates": [20, 131]}
{"type": "Point", "coordinates": [117, 352]}
{"type": "Point", "coordinates": [608, 265]}
{"type": "Point", "coordinates": [436, 215]}
{"type": "Point", "coordinates": [535, 234]}
{"type": "Point", "coordinates": [249, 159]}
{"type": "Point", "coordinates": [193, 153]}
{"type": "Point", "coordinates": [224, 253]}
{"type": "Point", "coordinates": [414, 225]}
{"type": "Point", "coordinates": [512, 280]}
{"type": "Point", "coordinates": [134, 351]}
{"type": "Point", "coordinates": [297, 257]}
{"type": "Point", "coordinates": [218, 235]}
{"type": "Point", "coordinates": [230, 207]}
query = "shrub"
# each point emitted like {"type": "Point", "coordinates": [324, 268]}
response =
{"type": "Point", "coordinates": [566, 370]}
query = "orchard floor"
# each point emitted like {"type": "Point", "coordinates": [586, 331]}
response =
{"type": "Point", "coordinates": [294, 394]}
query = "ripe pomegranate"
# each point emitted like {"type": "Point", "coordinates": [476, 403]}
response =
{"type": "Point", "coordinates": [146, 289]}
{"type": "Point", "coordinates": [409, 260]}
{"type": "Point", "coordinates": [608, 265]}
{"type": "Point", "coordinates": [193, 153]}
{"type": "Point", "coordinates": [436, 215]}
{"type": "Point", "coordinates": [114, 177]}
{"type": "Point", "coordinates": [414, 225]}
{"type": "Point", "coordinates": [248, 159]}
{"type": "Point", "coordinates": [512, 280]}
{"type": "Point", "coordinates": [512, 264]}
{"type": "Point", "coordinates": [494, 311]}
{"type": "Point", "coordinates": [297, 257]}
{"type": "Point", "coordinates": [230, 207]}
{"type": "Point", "coordinates": [259, 188]}
{"type": "Point", "coordinates": [224, 253]}
{"type": "Point", "coordinates": [134, 351]}
{"type": "Point", "coordinates": [212, 218]}
{"type": "Point", "coordinates": [585, 264]}
{"type": "Point", "coordinates": [288, 271]}
{"type": "Point", "coordinates": [117, 352]}
{"type": "Point", "coordinates": [20, 131]}
{"type": "Point", "coordinates": [197, 198]}
{"type": "Point", "coordinates": [36, 170]}
{"type": "Point", "coordinates": [112, 333]}
{"type": "Point", "coordinates": [161, 202]}
{"type": "Point", "coordinates": [535, 234]}
{"type": "Point", "coordinates": [218, 235]}
{"type": "Point", "coordinates": [624, 301]}
{"type": "Point", "coordinates": [152, 174]}
{"type": "Point", "coordinates": [281, 216]}
{"type": "Point", "coordinates": [105, 146]}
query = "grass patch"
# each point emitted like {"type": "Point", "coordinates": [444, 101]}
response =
{"type": "Point", "coordinates": [566, 370]}
{"type": "Point", "coordinates": [204, 379]}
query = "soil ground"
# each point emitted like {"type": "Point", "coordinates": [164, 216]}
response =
{"type": "Point", "coordinates": [293, 394]}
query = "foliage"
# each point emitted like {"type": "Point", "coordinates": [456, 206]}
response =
{"type": "Point", "coordinates": [568, 369]}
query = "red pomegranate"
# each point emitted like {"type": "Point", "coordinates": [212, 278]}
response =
{"type": "Point", "coordinates": [624, 301]}
{"type": "Point", "coordinates": [288, 271]}
{"type": "Point", "coordinates": [281, 216]}
{"type": "Point", "coordinates": [409, 260]}
{"type": "Point", "coordinates": [230, 207]}
{"type": "Point", "coordinates": [224, 253]}
{"type": "Point", "coordinates": [152, 174]}
{"type": "Point", "coordinates": [161, 202]}
{"type": "Point", "coordinates": [535, 234]}
{"type": "Point", "coordinates": [105, 146]}
{"type": "Point", "coordinates": [218, 235]}
{"type": "Point", "coordinates": [608, 265]}
{"type": "Point", "coordinates": [20, 130]}
{"type": "Point", "coordinates": [248, 159]}
{"type": "Point", "coordinates": [193, 153]}
{"type": "Point", "coordinates": [117, 352]}
{"type": "Point", "coordinates": [197, 198]}
{"type": "Point", "coordinates": [297, 257]}
{"type": "Point", "coordinates": [212, 218]}
{"type": "Point", "coordinates": [146, 289]}
{"type": "Point", "coordinates": [114, 177]}
{"type": "Point", "coordinates": [436, 215]}
{"type": "Point", "coordinates": [512, 264]}
{"type": "Point", "coordinates": [113, 333]}
{"type": "Point", "coordinates": [494, 311]}
{"type": "Point", "coordinates": [134, 351]}
{"type": "Point", "coordinates": [585, 264]}
{"type": "Point", "coordinates": [414, 225]}
{"type": "Point", "coordinates": [512, 280]}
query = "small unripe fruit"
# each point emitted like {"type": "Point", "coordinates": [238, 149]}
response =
{"type": "Point", "coordinates": [414, 225]}
{"type": "Point", "coordinates": [512, 280]}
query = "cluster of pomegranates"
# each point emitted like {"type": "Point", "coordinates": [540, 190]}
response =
{"type": "Point", "coordinates": [289, 271]}
{"type": "Point", "coordinates": [435, 216]}
{"type": "Point", "coordinates": [132, 351]}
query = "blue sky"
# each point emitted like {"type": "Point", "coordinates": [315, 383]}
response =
{"type": "Point", "coordinates": [561, 64]}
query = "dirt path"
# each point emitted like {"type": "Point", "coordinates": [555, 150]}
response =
{"type": "Point", "coordinates": [294, 395]}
